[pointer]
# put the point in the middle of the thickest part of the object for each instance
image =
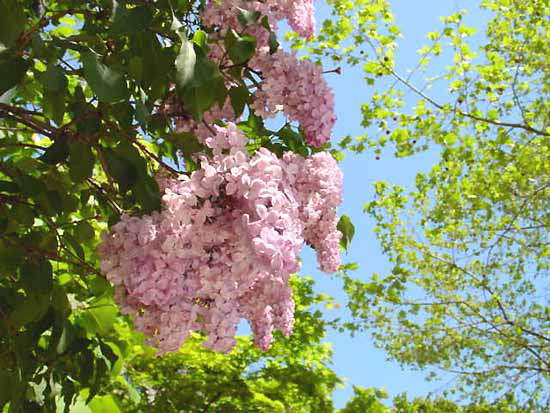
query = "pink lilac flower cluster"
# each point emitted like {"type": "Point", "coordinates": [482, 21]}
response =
{"type": "Point", "coordinates": [300, 15]}
{"type": "Point", "coordinates": [295, 87]}
{"type": "Point", "coordinates": [298, 89]}
{"type": "Point", "coordinates": [225, 244]}
{"type": "Point", "coordinates": [288, 85]}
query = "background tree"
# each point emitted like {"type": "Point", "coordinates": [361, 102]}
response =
{"type": "Point", "coordinates": [468, 293]}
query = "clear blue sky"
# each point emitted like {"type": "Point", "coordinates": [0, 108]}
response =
{"type": "Point", "coordinates": [355, 358]}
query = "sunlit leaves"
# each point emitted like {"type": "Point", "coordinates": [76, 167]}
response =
{"type": "Point", "coordinates": [185, 64]}
{"type": "Point", "coordinates": [346, 227]}
{"type": "Point", "coordinates": [100, 316]}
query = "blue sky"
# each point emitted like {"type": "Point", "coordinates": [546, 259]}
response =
{"type": "Point", "coordinates": [355, 358]}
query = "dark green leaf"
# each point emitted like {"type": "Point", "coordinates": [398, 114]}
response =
{"type": "Point", "coordinates": [6, 382]}
{"type": "Point", "coordinates": [86, 366]}
{"type": "Point", "coordinates": [36, 275]}
{"type": "Point", "coordinates": [74, 244]}
{"type": "Point", "coordinates": [13, 70]}
{"type": "Point", "coordinates": [60, 302]}
{"type": "Point", "coordinates": [99, 373]}
{"type": "Point", "coordinates": [239, 98]}
{"type": "Point", "coordinates": [247, 17]}
{"type": "Point", "coordinates": [7, 186]}
{"type": "Point", "coordinates": [120, 169]}
{"type": "Point", "coordinates": [57, 152]}
{"type": "Point", "coordinates": [107, 84]}
{"type": "Point", "coordinates": [147, 194]}
{"type": "Point", "coordinates": [30, 186]}
{"type": "Point", "coordinates": [273, 43]}
{"type": "Point", "coordinates": [23, 214]}
{"type": "Point", "coordinates": [129, 21]}
{"type": "Point", "coordinates": [81, 161]}
{"type": "Point", "coordinates": [143, 114]}
{"type": "Point", "coordinates": [30, 309]}
{"type": "Point", "coordinates": [12, 24]}
{"type": "Point", "coordinates": [186, 142]}
{"type": "Point", "coordinates": [84, 231]}
{"type": "Point", "coordinates": [240, 48]}
{"type": "Point", "coordinates": [54, 105]}
{"type": "Point", "coordinates": [124, 114]}
{"type": "Point", "coordinates": [54, 79]}
{"type": "Point", "coordinates": [155, 63]}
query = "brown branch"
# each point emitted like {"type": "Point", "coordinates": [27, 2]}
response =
{"type": "Point", "coordinates": [462, 113]}
{"type": "Point", "coordinates": [155, 157]}
{"type": "Point", "coordinates": [22, 145]}
{"type": "Point", "coordinates": [209, 127]}
{"type": "Point", "coordinates": [23, 116]}
{"type": "Point", "coordinates": [98, 188]}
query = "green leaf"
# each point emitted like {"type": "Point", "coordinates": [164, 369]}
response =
{"type": "Point", "coordinates": [239, 98]}
{"type": "Point", "coordinates": [186, 142]}
{"type": "Point", "coordinates": [185, 64]}
{"type": "Point", "coordinates": [60, 301]}
{"type": "Point", "coordinates": [135, 68]}
{"type": "Point", "coordinates": [81, 161]}
{"type": "Point", "coordinates": [206, 88]}
{"type": "Point", "coordinates": [122, 170]}
{"type": "Point", "coordinates": [74, 244]}
{"type": "Point", "coordinates": [130, 21]}
{"type": "Point", "coordinates": [247, 17]}
{"type": "Point", "coordinates": [65, 339]}
{"type": "Point", "coordinates": [30, 309]}
{"type": "Point", "coordinates": [36, 275]}
{"type": "Point", "coordinates": [12, 24]}
{"type": "Point", "coordinates": [84, 231]}
{"type": "Point", "coordinates": [200, 38]}
{"type": "Point", "coordinates": [143, 114]}
{"type": "Point", "coordinates": [6, 382]}
{"type": "Point", "coordinates": [147, 194]}
{"type": "Point", "coordinates": [273, 43]}
{"type": "Point", "coordinates": [104, 404]}
{"type": "Point", "coordinates": [57, 152]}
{"type": "Point", "coordinates": [240, 48]}
{"type": "Point", "coordinates": [54, 105]}
{"type": "Point", "coordinates": [23, 214]}
{"type": "Point", "coordinates": [99, 319]}
{"type": "Point", "coordinates": [13, 70]}
{"type": "Point", "coordinates": [346, 227]}
{"type": "Point", "coordinates": [109, 85]}
{"type": "Point", "coordinates": [7, 186]}
{"type": "Point", "coordinates": [54, 79]}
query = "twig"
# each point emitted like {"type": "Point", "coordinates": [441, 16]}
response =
{"type": "Point", "coordinates": [23, 145]}
{"type": "Point", "coordinates": [155, 157]}
{"type": "Point", "coordinates": [209, 127]}
{"type": "Point", "coordinates": [467, 114]}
